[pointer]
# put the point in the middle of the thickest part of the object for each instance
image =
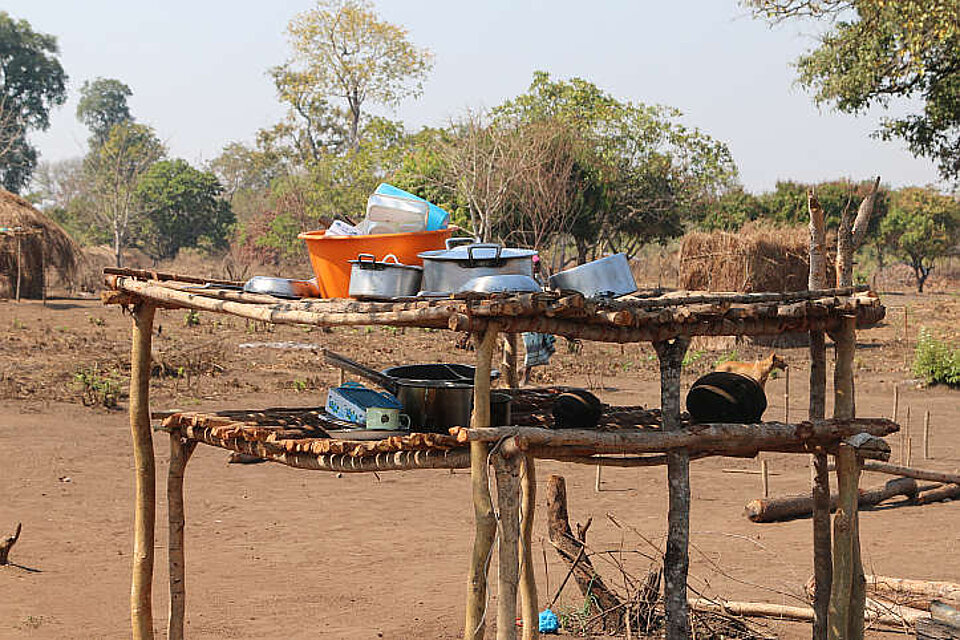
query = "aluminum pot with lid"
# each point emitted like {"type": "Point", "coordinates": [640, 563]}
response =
{"type": "Point", "coordinates": [448, 270]}
{"type": "Point", "coordinates": [372, 279]}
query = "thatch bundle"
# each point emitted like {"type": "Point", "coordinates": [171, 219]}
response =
{"type": "Point", "coordinates": [757, 258]}
{"type": "Point", "coordinates": [44, 245]}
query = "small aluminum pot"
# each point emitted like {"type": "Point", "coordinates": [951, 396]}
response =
{"type": "Point", "coordinates": [604, 278]}
{"type": "Point", "coordinates": [372, 279]}
{"type": "Point", "coordinates": [447, 270]}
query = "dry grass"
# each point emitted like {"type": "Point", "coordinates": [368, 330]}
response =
{"type": "Point", "coordinates": [756, 258]}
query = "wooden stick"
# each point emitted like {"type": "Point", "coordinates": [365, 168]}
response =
{"type": "Point", "coordinates": [845, 343]}
{"type": "Point", "coordinates": [896, 402]}
{"type": "Point", "coordinates": [898, 589]}
{"type": "Point", "coordinates": [507, 468]}
{"type": "Point", "coordinates": [141, 598]}
{"type": "Point", "coordinates": [946, 492]}
{"type": "Point", "coordinates": [786, 396]}
{"type": "Point", "coordinates": [7, 544]}
{"type": "Point", "coordinates": [926, 435]}
{"type": "Point", "coordinates": [904, 436]}
{"type": "Point", "coordinates": [486, 522]}
{"type": "Point", "coordinates": [876, 614]}
{"type": "Point", "coordinates": [716, 439]}
{"type": "Point", "coordinates": [19, 266]}
{"type": "Point", "coordinates": [782, 508]}
{"type": "Point", "coordinates": [764, 479]}
{"type": "Point", "coordinates": [596, 486]}
{"type": "Point", "coordinates": [510, 358]}
{"type": "Point", "coordinates": [529, 605]}
{"type": "Point", "coordinates": [180, 452]}
{"type": "Point", "coordinates": [909, 450]}
{"type": "Point", "coordinates": [911, 472]}
{"type": "Point", "coordinates": [847, 571]}
{"type": "Point", "coordinates": [676, 560]}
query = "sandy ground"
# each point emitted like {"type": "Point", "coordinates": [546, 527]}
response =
{"type": "Point", "coordinates": [274, 552]}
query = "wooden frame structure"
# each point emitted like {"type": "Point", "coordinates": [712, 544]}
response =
{"type": "Point", "coordinates": [653, 438]}
{"type": "Point", "coordinates": [18, 233]}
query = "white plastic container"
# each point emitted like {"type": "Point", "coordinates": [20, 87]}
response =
{"type": "Point", "coordinates": [390, 214]}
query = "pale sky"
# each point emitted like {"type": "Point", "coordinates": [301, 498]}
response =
{"type": "Point", "coordinates": [198, 71]}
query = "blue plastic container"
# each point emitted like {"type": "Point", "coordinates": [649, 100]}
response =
{"type": "Point", "coordinates": [437, 218]}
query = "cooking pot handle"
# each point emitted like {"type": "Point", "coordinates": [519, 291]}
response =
{"type": "Point", "coordinates": [390, 258]}
{"type": "Point", "coordinates": [366, 257]}
{"type": "Point", "coordinates": [456, 242]}
{"type": "Point", "coordinates": [483, 245]}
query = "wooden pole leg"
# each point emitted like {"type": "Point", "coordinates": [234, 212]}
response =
{"type": "Point", "coordinates": [507, 469]}
{"type": "Point", "coordinates": [510, 352]}
{"type": "Point", "coordinates": [486, 522]}
{"type": "Point", "coordinates": [180, 452]}
{"type": "Point", "coordinates": [528, 584]}
{"type": "Point", "coordinates": [141, 595]}
{"type": "Point", "coordinates": [847, 601]}
{"type": "Point", "coordinates": [676, 559]}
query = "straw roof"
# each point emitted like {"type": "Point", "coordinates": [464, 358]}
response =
{"type": "Point", "coordinates": [51, 247]}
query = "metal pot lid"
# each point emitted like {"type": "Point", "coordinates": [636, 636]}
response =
{"type": "Point", "coordinates": [478, 252]}
{"type": "Point", "coordinates": [501, 283]}
{"type": "Point", "coordinates": [369, 261]}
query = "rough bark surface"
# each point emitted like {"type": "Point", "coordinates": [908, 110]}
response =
{"type": "Point", "coordinates": [141, 588]}
{"type": "Point", "coordinates": [180, 452]}
{"type": "Point", "coordinates": [676, 561]}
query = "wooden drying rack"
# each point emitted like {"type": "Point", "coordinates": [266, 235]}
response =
{"type": "Point", "coordinates": [640, 437]}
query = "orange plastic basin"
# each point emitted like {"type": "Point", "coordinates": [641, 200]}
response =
{"type": "Point", "coordinates": [330, 257]}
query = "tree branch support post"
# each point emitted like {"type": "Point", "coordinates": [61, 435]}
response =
{"type": "Point", "coordinates": [529, 606]}
{"type": "Point", "coordinates": [507, 466]}
{"type": "Point", "coordinates": [510, 354]}
{"type": "Point", "coordinates": [486, 522]}
{"type": "Point", "coordinates": [180, 452]}
{"type": "Point", "coordinates": [676, 561]}
{"type": "Point", "coordinates": [141, 596]}
{"type": "Point", "coordinates": [820, 477]}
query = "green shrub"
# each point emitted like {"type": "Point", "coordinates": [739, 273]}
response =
{"type": "Point", "coordinates": [97, 387]}
{"type": "Point", "coordinates": [936, 361]}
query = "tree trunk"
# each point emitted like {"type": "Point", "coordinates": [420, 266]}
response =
{"type": "Point", "coordinates": [117, 247]}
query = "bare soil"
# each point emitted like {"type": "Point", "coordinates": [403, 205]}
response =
{"type": "Point", "coordinates": [274, 552]}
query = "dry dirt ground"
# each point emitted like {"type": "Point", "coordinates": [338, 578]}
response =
{"type": "Point", "coordinates": [279, 553]}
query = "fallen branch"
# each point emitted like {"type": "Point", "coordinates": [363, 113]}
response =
{"type": "Point", "coordinates": [875, 613]}
{"type": "Point", "coordinates": [572, 550]}
{"type": "Point", "coordinates": [8, 543]}
{"type": "Point", "coordinates": [799, 506]}
{"type": "Point", "coordinates": [946, 492]}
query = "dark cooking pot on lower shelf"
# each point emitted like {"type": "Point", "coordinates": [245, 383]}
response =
{"type": "Point", "coordinates": [724, 396]}
{"type": "Point", "coordinates": [440, 396]}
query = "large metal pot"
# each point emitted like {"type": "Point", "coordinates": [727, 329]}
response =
{"type": "Point", "coordinates": [435, 396]}
{"type": "Point", "coordinates": [372, 279]}
{"type": "Point", "coordinates": [604, 278]}
{"type": "Point", "coordinates": [448, 270]}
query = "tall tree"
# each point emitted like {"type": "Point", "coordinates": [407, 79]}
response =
{"type": "Point", "coordinates": [103, 104]}
{"type": "Point", "coordinates": [343, 50]}
{"type": "Point", "coordinates": [922, 225]}
{"type": "Point", "coordinates": [182, 208]}
{"type": "Point", "coordinates": [875, 51]}
{"type": "Point", "coordinates": [114, 170]}
{"type": "Point", "coordinates": [32, 82]}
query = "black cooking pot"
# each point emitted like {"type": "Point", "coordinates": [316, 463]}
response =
{"type": "Point", "coordinates": [440, 396]}
{"type": "Point", "coordinates": [723, 396]}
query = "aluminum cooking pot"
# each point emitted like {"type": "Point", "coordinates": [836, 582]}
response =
{"type": "Point", "coordinates": [370, 279]}
{"type": "Point", "coordinates": [604, 278]}
{"type": "Point", "coordinates": [435, 396]}
{"type": "Point", "coordinates": [445, 271]}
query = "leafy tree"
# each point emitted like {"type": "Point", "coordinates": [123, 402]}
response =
{"type": "Point", "coordinates": [876, 51]}
{"type": "Point", "coordinates": [343, 50]}
{"type": "Point", "coordinates": [182, 207]}
{"type": "Point", "coordinates": [103, 104]}
{"type": "Point", "coordinates": [32, 82]}
{"type": "Point", "coordinates": [114, 169]}
{"type": "Point", "coordinates": [922, 225]}
{"type": "Point", "coordinates": [731, 211]}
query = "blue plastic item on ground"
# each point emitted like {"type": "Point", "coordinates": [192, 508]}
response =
{"type": "Point", "coordinates": [549, 623]}
{"type": "Point", "coordinates": [437, 218]}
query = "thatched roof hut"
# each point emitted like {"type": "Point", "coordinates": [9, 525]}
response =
{"type": "Point", "coordinates": [754, 259]}
{"type": "Point", "coordinates": [43, 244]}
